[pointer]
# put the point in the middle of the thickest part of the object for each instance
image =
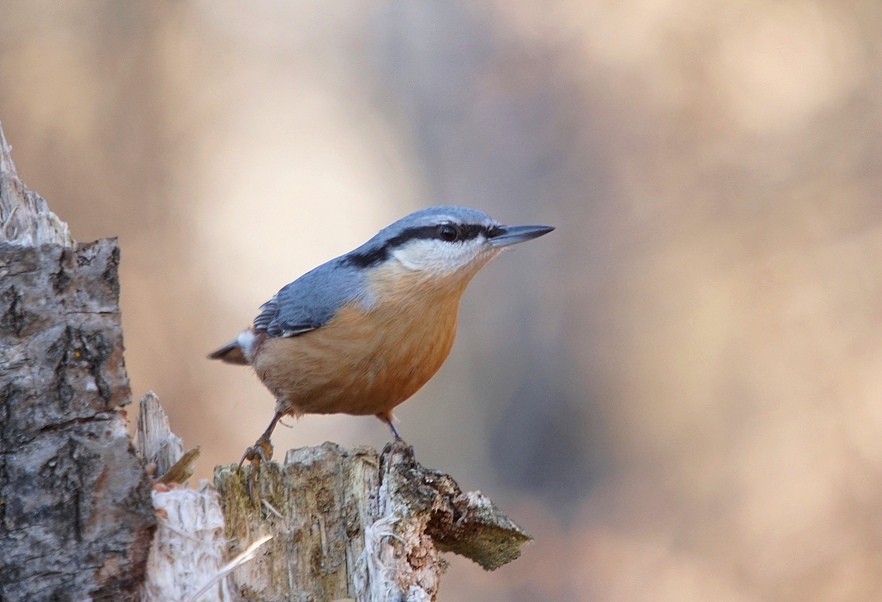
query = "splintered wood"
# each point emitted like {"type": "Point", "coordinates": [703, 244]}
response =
{"type": "Point", "coordinates": [25, 218]}
{"type": "Point", "coordinates": [188, 551]}
{"type": "Point", "coordinates": [355, 524]}
{"type": "Point", "coordinates": [157, 444]}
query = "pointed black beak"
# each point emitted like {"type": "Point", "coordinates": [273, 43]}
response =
{"type": "Point", "coordinates": [503, 236]}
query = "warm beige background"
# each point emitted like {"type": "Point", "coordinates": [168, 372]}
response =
{"type": "Point", "coordinates": [679, 392]}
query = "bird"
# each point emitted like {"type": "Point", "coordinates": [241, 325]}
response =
{"type": "Point", "coordinates": [363, 332]}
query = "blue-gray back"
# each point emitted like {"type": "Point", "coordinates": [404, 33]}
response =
{"type": "Point", "coordinates": [313, 299]}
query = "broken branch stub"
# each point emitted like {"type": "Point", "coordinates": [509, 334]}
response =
{"type": "Point", "coordinates": [157, 444]}
{"type": "Point", "coordinates": [468, 524]}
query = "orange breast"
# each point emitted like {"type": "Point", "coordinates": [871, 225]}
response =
{"type": "Point", "coordinates": [365, 362]}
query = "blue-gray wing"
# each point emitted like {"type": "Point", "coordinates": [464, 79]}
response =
{"type": "Point", "coordinates": [310, 301]}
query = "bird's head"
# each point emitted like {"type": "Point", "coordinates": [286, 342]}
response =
{"type": "Point", "coordinates": [442, 242]}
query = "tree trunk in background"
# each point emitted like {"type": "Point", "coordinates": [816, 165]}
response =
{"type": "Point", "coordinates": [76, 517]}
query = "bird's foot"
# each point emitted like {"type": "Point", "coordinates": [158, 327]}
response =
{"type": "Point", "coordinates": [261, 451]}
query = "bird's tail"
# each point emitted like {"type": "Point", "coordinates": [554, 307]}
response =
{"type": "Point", "coordinates": [230, 353]}
{"type": "Point", "coordinates": [241, 351]}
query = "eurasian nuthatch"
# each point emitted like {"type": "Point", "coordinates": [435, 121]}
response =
{"type": "Point", "coordinates": [363, 332]}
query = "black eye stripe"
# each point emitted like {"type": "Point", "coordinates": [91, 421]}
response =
{"type": "Point", "coordinates": [472, 231]}
{"type": "Point", "coordinates": [368, 258]}
{"type": "Point", "coordinates": [379, 254]}
{"type": "Point", "coordinates": [465, 232]}
{"type": "Point", "coordinates": [493, 231]}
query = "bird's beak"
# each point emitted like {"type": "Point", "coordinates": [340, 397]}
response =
{"type": "Point", "coordinates": [504, 236]}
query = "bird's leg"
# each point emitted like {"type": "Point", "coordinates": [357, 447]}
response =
{"type": "Point", "coordinates": [387, 417]}
{"type": "Point", "coordinates": [262, 450]}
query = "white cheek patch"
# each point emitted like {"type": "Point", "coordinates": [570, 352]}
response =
{"type": "Point", "coordinates": [437, 256]}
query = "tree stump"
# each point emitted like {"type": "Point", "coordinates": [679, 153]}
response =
{"type": "Point", "coordinates": [75, 511]}
{"type": "Point", "coordinates": [357, 524]}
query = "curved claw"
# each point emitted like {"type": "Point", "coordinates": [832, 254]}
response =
{"type": "Point", "coordinates": [261, 451]}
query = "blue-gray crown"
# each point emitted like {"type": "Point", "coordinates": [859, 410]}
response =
{"type": "Point", "coordinates": [447, 223]}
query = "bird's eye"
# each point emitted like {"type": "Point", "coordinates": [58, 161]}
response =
{"type": "Point", "coordinates": [448, 232]}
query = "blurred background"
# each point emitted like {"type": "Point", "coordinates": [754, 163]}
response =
{"type": "Point", "coordinates": [678, 393]}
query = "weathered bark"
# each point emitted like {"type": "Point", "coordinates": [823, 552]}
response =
{"type": "Point", "coordinates": [355, 524]}
{"type": "Point", "coordinates": [75, 511]}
